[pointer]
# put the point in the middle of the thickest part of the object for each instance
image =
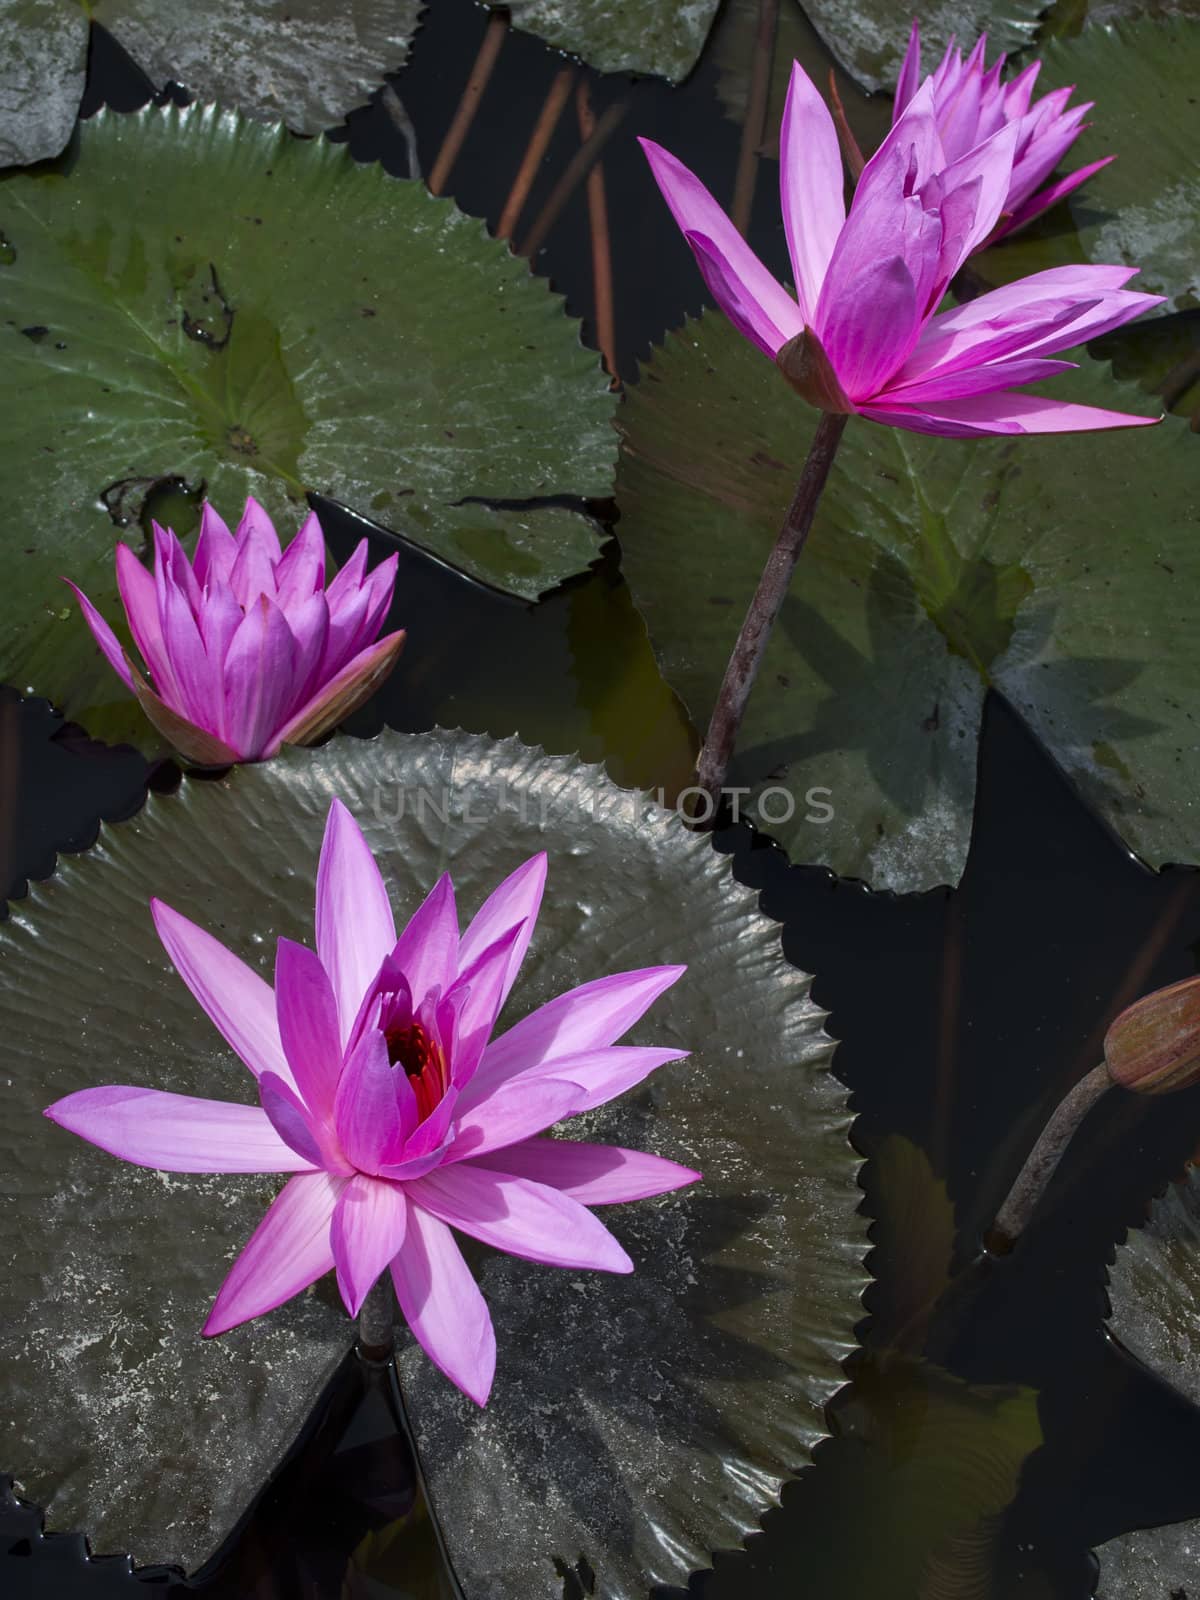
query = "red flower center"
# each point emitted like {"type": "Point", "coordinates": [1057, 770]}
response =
{"type": "Point", "coordinates": [411, 1047]}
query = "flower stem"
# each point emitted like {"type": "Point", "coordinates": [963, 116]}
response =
{"type": "Point", "coordinates": [377, 1322]}
{"type": "Point", "coordinates": [1043, 1159]}
{"type": "Point", "coordinates": [764, 608]}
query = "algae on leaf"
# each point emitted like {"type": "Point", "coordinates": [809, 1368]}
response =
{"type": "Point", "coordinates": [1062, 571]}
{"type": "Point", "coordinates": [191, 297]}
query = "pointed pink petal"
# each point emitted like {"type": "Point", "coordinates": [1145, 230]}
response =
{"type": "Point", "coordinates": [517, 900]}
{"type": "Point", "coordinates": [253, 572]}
{"type": "Point", "coordinates": [176, 1132]}
{"type": "Point", "coordinates": [1050, 196]}
{"type": "Point", "coordinates": [238, 1002]}
{"type": "Point", "coordinates": [775, 318]}
{"type": "Point", "coordinates": [170, 560]}
{"type": "Point", "coordinates": [983, 379]}
{"type": "Point", "coordinates": [1002, 413]}
{"type": "Point", "coordinates": [583, 1019]}
{"type": "Point", "coordinates": [475, 997]}
{"type": "Point", "coordinates": [427, 951]}
{"type": "Point", "coordinates": [730, 295]}
{"type": "Point", "coordinates": [593, 1174]}
{"type": "Point", "coordinates": [216, 549]}
{"type": "Point", "coordinates": [308, 1025]}
{"type": "Point", "coordinates": [523, 1218]}
{"type": "Point", "coordinates": [198, 686]}
{"type": "Point", "coordinates": [914, 137]}
{"type": "Point", "coordinates": [140, 599]}
{"type": "Point", "coordinates": [348, 580]}
{"type": "Point", "coordinates": [871, 327]}
{"type": "Point", "coordinates": [442, 1305]}
{"type": "Point", "coordinates": [811, 187]}
{"type": "Point", "coordinates": [355, 927]}
{"type": "Point", "coordinates": [110, 646]}
{"type": "Point", "coordinates": [991, 163]}
{"type": "Point", "coordinates": [333, 701]}
{"type": "Point", "coordinates": [600, 1075]}
{"type": "Point", "coordinates": [300, 571]}
{"type": "Point", "coordinates": [260, 679]}
{"type": "Point", "coordinates": [368, 1229]}
{"type": "Point", "coordinates": [289, 1250]}
{"type": "Point", "coordinates": [365, 1108]}
{"type": "Point", "coordinates": [256, 528]}
{"type": "Point", "coordinates": [290, 1118]}
{"type": "Point", "coordinates": [515, 1111]}
{"type": "Point", "coordinates": [910, 72]}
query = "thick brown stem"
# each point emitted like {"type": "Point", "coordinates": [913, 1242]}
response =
{"type": "Point", "coordinates": [535, 150]}
{"type": "Point", "coordinates": [460, 125]}
{"type": "Point", "coordinates": [755, 126]}
{"type": "Point", "coordinates": [602, 273]}
{"type": "Point", "coordinates": [764, 608]}
{"type": "Point", "coordinates": [573, 174]}
{"type": "Point", "coordinates": [1043, 1159]}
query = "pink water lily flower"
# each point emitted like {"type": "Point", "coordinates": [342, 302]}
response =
{"type": "Point", "coordinates": [971, 104]}
{"type": "Point", "coordinates": [861, 332]}
{"type": "Point", "coordinates": [399, 1115]}
{"type": "Point", "coordinates": [246, 648]}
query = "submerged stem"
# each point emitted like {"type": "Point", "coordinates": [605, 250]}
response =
{"type": "Point", "coordinates": [764, 608]}
{"type": "Point", "coordinates": [1043, 1159]}
{"type": "Point", "coordinates": [377, 1322]}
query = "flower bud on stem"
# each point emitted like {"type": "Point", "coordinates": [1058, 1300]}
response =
{"type": "Point", "coordinates": [765, 607]}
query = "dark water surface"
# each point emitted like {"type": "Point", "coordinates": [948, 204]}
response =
{"type": "Point", "coordinates": [964, 1016]}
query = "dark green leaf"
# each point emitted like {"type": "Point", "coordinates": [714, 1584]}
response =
{"type": "Point", "coordinates": [1062, 570]}
{"type": "Point", "coordinates": [301, 323]}
{"type": "Point", "coordinates": [639, 1421]}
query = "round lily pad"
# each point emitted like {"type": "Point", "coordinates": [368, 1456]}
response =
{"type": "Point", "coordinates": [1144, 208]}
{"type": "Point", "coordinates": [657, 36]}
{"type": "Point", "coordinates": [634, 1422]}
{"type": "Point", "coordinates": [1154, 1294]}
{"type": "Point", "coordinates": [1063, 571]}
{"type": "Point", "coordinates": [191, 297]}
{"type": "Point", "coordinates": [304, 62]}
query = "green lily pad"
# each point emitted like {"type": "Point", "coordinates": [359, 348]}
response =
{"type": "Point", "coordinates": [1062, 571]}
{"type": "Point", "coordinates": [1144, 208]}
{"type": "Point", "coordinates": [43, 64]}
{"type": "Point", "coordinates": [301, 323]}
{"type": "Point", "coordinates": [638, 1422]}
{"type": "Point", "coordinates": [664, 37]}
{"type": "Point", "coordinates": [304, 62]}
{"type": "Point", "coordinates": [1154, 1294]}
{"type": "Point", "coordinates": [869, 37]}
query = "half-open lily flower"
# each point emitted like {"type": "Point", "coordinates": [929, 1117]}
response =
{"type": "Point", "coordinates": [862, 333]}
{"type": "Point", "coordinates": [246, 648]}
{"type": "Point", "coordinates": [971, 104]}
{"type": "Point", "coordinates": [383, 1092]}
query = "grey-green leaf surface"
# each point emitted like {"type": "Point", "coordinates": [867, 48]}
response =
{"type": "Point", "coordinates": [306, 63]}
{"type": "Point", "coordinates": [1062, 570]}
{"type": "Point", "coordinates": [269, 317]}
{"type": "Point", "coordinates": [43, 62]}
{"type": "Point", "coordinates": [637, 1421]}
{"type": "Point", "coordinates": [1154, 1293]}
{"type": "Point", "coordinates": [664, 37]}
{"type": "Point", "coordinates": [869, 37]}
{"type": "Point", "coordinates": [1143, 209]}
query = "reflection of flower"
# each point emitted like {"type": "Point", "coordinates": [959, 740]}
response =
{"type": "Point", "coordinates": [971, 104]}
{"type": "Point", "coordinates": [861, 334]}
{"type": "Point", "coordinates": [247, 649]}
{"type": "Point", "coordinates": [381, 1091]}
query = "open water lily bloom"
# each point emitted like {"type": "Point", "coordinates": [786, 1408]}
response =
{"type": "Point", "coordinates": [398, 1115]}
{"type": "Point", "coordinates": [971, 104]}
{"type": "Point", "coordinates": [246, 648]}
{"type": "Point", "coordinates": [862, 332]}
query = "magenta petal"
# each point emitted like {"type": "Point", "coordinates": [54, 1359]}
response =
{"type": "Point", "coordinates": [442, 1305]}
{"type": "Point", "coordinates": [516, 1110]}
{"type": "Point", "coordinates": [288, 1250]}
{"type": "Point", "coordinates": [593, 1174]}
{"type": "Point", "coordinates": [871, 327]}
{"type": "Point", "coordinates": [811, 187]}
{"type": "Point", "coordinates": [260, 678]}
{"type": "Point", "coordinates": [110, 645]}
{"type": "Point", "coordinates": [775, 316]}
{"type": "Point", "coordinates": [475, 998]}
{"type": "Point", "coordinates": [198, 687]}
{"type": "Point", "coordinates": [176, 1132]}
{"type": "Point", "coordinates": [237, 1000]}
{"type": "Point", "coordinates": [586, 1018]}
{"type": "Point", "coordinates": [347, 582]}
{"type": "Point", "coordinates": [910, 72]}
{"type": "Point", "coordinates": [730, 294]}
{"type": "Point", "coordinates": [523, 1218]}
{"type": "Point", "coordinates": [365, 1110]}
{"type": "Point", "coordinates": [334, 700]}
{"type": "Point", "coordinates": [216, 550]}
{"type": "Point", "coordinates": [369, 1224]}
{"type": "Point", "coordinates": [600, 1075]}
{"type": "Point", "coordinates": [1003, 413]}
{"type": "Point", "coordinates": [427, 951]}
{"type": "Point", "coordinates": [1050, 196]}
{"type": "Point", "coordinates": [517, 900]}
{"type": "Point", "coordinates": [256, 528]}
{"type": "Point", "coordinates": [308, 1025]}
{"type": "Point", "coordinates": [300, 571]}
{"type": "Point", "coordinates": [355, 927]}
{"type": "Point", "coordinates": [984, 379]}
{"type": "Point", "coordinates": [140, 599]}
{"type": "Point", "coordinates": [290, 1118]}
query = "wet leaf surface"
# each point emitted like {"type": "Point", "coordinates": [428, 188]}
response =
{"type": "Point", "coordinates": [637, 1421]}
{"type": "Point", "coordinates": [302, 323]}
{"type": "Point", "coordinates": [622, 35]}
{"type": "Point", "coordinates": [935, 569]}
{"type": "Point", "coordinates": [43, 62]}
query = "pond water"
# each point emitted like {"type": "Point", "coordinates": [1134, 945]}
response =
{"type": "Point", "coordinates": [963, 1016]}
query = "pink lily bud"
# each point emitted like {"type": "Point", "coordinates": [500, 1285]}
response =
{"type": "Point", "coordinates": [245, 647]}
{"type": "Point", "coordinates": [1153, 1047]}
{"type": "Point", "coordinates": [971, 105]}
